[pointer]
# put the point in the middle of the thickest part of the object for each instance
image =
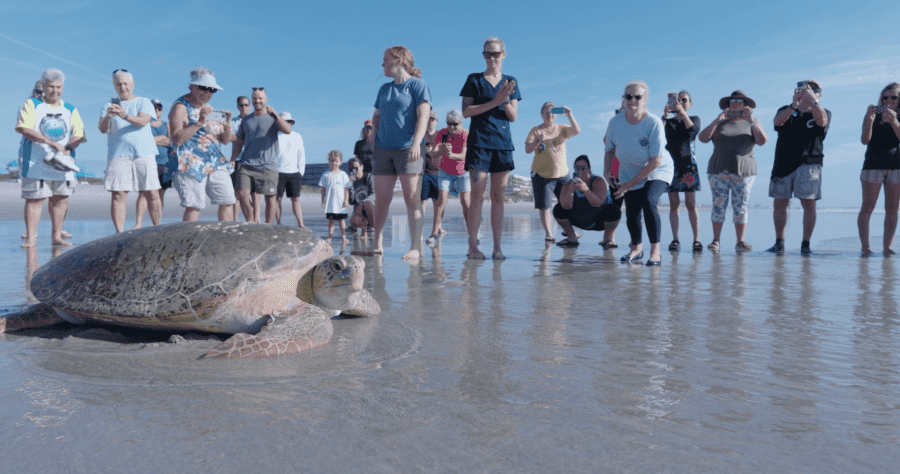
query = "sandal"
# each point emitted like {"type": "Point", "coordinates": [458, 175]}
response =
{"type": "Point", "coordinates": [567, 243]}
{"type": "Point", "coordinates": [549, 239]}
{"type": "Point", "coordinates": [675, 245]}
{"type": "Point", "coordinates": [698, 247]}
{"type": "Point", "coordinates": [609, 244]}
{"type": "Point", "coordinates": [714, 246]}
{"type": "Point", "coordinates": [743, 247]}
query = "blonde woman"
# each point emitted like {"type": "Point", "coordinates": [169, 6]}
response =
{"type": "Point", "coordinates": [881, 135]}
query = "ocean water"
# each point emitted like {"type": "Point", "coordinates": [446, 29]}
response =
{"type": "Point", "coordinates": [554, 359]}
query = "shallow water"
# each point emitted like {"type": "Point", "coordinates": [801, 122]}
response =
{"type": "Point", "coordinates": [551, 360]}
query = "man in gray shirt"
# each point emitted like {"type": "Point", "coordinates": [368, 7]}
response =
{"type": "Point", "coordinates": [257, 145]}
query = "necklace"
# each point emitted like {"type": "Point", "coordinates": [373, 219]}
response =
{"type": "Point", "coordinates": [492, 75]}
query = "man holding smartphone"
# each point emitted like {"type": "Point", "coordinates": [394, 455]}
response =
{"type": "Point", "coordinates": [797, 170]}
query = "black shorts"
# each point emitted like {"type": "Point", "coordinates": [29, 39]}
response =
{"type": "Point", "coordinates": [163, 184]}
{"type": "Point", "coordinates": [290, 184]}
{"type": "Point", "coordinates": [429, 186]}
{"type": "Point", "coordinates": [607, 213]}
{"type": "Point", "coordinates": [489, 160]}
{"type": "Point", "coordinates": [335, 217]}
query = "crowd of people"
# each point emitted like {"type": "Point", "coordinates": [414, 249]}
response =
{"type": "Point", "coordinates": [645, 156]}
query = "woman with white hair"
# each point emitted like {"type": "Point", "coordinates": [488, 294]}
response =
{"type": "Point", "coordinates": [637, 139]}
{"type": "Point", "coordinates": [549, 170]}
{"type": "Point", "coordinates": [203, 169]}
{"type": "Point", "coordinates": [51, 128]}
{"type": "Point", "coordinates": [453, 179]}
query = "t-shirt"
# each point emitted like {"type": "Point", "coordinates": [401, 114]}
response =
{"type": "Point", "coordinates": [165, 155]}
{"type": "Point", "coordinates": [125, 139]}
{"type": "Point", "coordinates": [260, 136]}
{"type": "Point", "coordinates": [883, 150]}
{"type": "Point", "coordinates": [58, 123]}
{"type": "Point", "coordinates": [396, 104]}
{"type": "Point", "coordinates": [235, 126]}
{"type": "Point", "coordinates": [363, 188]}
{"type": "Point", "coordinates": [584, 213]}
{"type": "Point", "coordinates": [680, 142]}
{"type": "Point", "coordinates": [364, 151]}
{"type": "Point", "coordinates": [291, 158]}
{"type": "Point", "coordinates": [457, 142]}
{"type": "Point", "coordinates": [733, 150]}
{"type": "Point", "coordinates": [334, 184]}
{"type": "Point", "coordinates": [550, 162]}
{"type": "Point", "coordinates": [799, 142]}
{"type": "Point", "coordinates": [636, 144]}
{"type": "Point", "coordinates": [490, 129]}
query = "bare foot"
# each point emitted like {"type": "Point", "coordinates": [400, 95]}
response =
{"type": "Point", "coordinates": [65, 234]}
{"type": "Point", "coordinates": [475, 254]}
{"type": "Point", "coordinates": [137, 226]}
{"type": "Point", "coordinates": [412, 255]}
{"type": "Point", "coordinates": [29, 244]}
{"type": "Point", "coordinates": [362, 237]}
{"type": "Point", "coordinates": [345, 240]}
{"type": "Point", "coordinates": [498, 255]}
{"type": "Point", "coordinates": [866, 251]}
{"type": "Point", "coordinates": [303, 227]}
{"type": "Point", "coordinates": [889, 251]}
{"type": "Point", "coordinates": [61, 242]}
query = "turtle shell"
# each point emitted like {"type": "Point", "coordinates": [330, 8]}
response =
{"type": "Point", "coordinates": [211, 276]}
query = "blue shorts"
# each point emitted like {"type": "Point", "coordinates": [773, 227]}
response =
{"type": "Point", "coordinates": [489, 160]}
{"type": "Point", "coordinates": [545, 188]}
{"type": "Point", "coordinates": [453, 183]}
{"type": "Point", "coordinates": [429, 186]}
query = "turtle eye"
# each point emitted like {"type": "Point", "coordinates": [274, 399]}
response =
{"type": "Point", "coordinates": [336, 266]}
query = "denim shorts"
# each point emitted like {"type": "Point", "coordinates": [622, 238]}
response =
{"type": "Point", "coordinates": [453, 183]}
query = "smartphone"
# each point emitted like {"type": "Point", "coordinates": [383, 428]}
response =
{"type": "Point", "coordinates": [734, 113]}
{"type": "Point", "coordinates": [802, 84]}
{"type": "Point", "coordinates": [575, 176]}
{"type": "Point", "coordinates": [673, 100]}
{"type": "Point", "coordinates": [558, 110]}
{"type": "Point", "coordinates": [115, 100]}
{"type": "Point", "coordinates": [216, 116]}
{"type": "Point", "coordinates": [444, 138]}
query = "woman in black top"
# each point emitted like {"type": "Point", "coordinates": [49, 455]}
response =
{"type": "Point", "coordinates": [881, 134]}
{"type": "Point", "coordinates": [681, 130]}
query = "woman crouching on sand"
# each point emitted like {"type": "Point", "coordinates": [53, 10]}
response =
{"type": "Point", "coordinates": [549, 170]}
{"type": "Point", "coordinates": [881, 135]}
{"type": "Point", "coordinates": [637, 139]}
{"type": "Point", "coordinates": [401, 116]}
{"type": "Point", "coordinates": [732, 167]}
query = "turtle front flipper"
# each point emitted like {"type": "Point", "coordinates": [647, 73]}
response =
{"type": "Point", "coordinates": [300, 327]}
{"type": "Point", "coordinates": [36, 316]}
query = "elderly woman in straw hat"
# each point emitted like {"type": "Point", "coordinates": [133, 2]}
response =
{"type": "Point", "coordinates": [732, 167]}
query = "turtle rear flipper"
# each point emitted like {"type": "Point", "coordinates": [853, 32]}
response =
{"type": "Point", "coordinates": [36, 316]}
{"type": "Point", "coordinates": [298, 328]}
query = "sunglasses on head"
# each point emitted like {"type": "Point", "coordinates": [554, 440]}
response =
{"type": "Point", "coordinates": [635, 97]}
{"type": "Point", "coordinates": [258, 89]}
{"type": "Point", "coordinates": [119, 70]}
{"type": "Point", "coordinates": [492, 54]}
{"type": "Point", "coordinates": [207, 89]}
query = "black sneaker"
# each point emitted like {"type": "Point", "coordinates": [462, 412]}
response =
{"type": "Point", "coordinates": [778, 248]}
{"type": "Point", "coordinates": [805, 251]}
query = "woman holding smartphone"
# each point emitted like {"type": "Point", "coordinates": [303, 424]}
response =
{"type": "Point", "coordinates": [491, 99]}
{"type": "Point", "coordinates": [637, 139]}
{"type": "Point", "coordinates": [732, 167]}
{"type": "Point", "coordinates": [549, 170]}
{"type": "Point", "coordinates": [881, 135]}
{"type": "Point", "coordinates": [680, 133]}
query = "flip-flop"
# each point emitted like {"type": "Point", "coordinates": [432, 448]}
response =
{"type": "Point", "coordinates": [550, 239]}
{"type": "Point", "coordinates": [566, 244]}
{"type": "Point", "coordinates": [608, 244]}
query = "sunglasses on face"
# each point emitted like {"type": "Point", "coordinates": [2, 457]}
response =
{"type": "Point", "coordinates": [492, 54]}
{"type": "Point", "coordinates": [258, 89]}
{"type": "Point", "coordinates": [452, 124]}
{"type": "Point", "coordinates": [207, 89]}
{"type": "Point", "coordinates": [633, 97]}
{"type": "Point", "coordinates": [683, 100]}
{"type": "Point", "coordinates": [38, 91]}
{"type": "Point", "coordinates": [581, 168]}
{"type": "Point", "coordinates": [367, 128]}
{"type": "Point", "coordinates": [736, 101]}
{"type": "Point", "coordinates": [886, 98]}
{"type": "Point", "coordinates": [243, 105]}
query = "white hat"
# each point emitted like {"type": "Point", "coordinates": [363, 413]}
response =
{"type": "Point", "coordinates": [287, 117]}
{"type": "Point", "coordinates": [207, 80]}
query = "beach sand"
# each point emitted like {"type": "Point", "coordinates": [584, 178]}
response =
{"type": "Point", "coordinates": [552, 360]}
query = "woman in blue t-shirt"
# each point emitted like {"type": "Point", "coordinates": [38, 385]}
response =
{"type": "Point", "coordinates": [401, 117]}
{"type": "Point", "coordinates": [490, 98]}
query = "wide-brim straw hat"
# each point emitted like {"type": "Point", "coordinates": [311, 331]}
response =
{"type": "Point", "coordinates": [738, 94]}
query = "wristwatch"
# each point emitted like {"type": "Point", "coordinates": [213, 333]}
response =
{"type": "Point", "coordinates": [69, 147]}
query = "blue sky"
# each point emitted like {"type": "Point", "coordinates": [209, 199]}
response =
{"type": "Point", "coordinates": [321, 62]}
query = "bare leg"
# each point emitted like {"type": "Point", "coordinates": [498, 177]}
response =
{"type": "Point", "coordinates": [478, 180]}
{"type": "Point", "coordinates": [609, 232]}
{"type": "Point", "coordinates": [57, 205]}
{"type": "Point", "coordinates": [566, 225]}
{"type": "Point", "coordinates": [298, 212]}
{"type": "Point", "coordinates": [343, 229]}
{"type": "Point", "coordinates": [162, 198]}
{"type": "Point", "coordinates": [739, 231]}
{"type": "Point", "coordinates": [674, 202]}
{"type": "Point", "coordinates": [117, 209]}
{"type": "Point", "coordinates": [270, 208]}
{"type": "Point", "coordinates": [257, 203]}
{"type": "Point", "coordinates": [690, 203]}
{"type": "Point", "coordinates": [717, 231]}
{"type": "Point", "coordinates": [439, 206]}
{"type": "Point", "coordinates": [330, 229]}
{"type": "Point", "coordinates": [809, 217]}
{"type": "Point", "coordinates": [498, 194]}
{"type": "Point", "coordinates": [891, 206]}
{"type": "Point", "coordinates": [779, 214]}
{"type": "Point", "coordinates": [191, 214]}
{"type": "Point", "coordinates": [246, 205]}
{"type": "Point", "coordinates": [384, 194]}
{"type": "Point", "coordinates": [546, 216]}
{"type": "Point", "coordinates": [140, 207]}
{"type": "Point", "coordinates": [33, 210]}
{"type": "Point", "coordinates": [464, 200]}
{"type": "Point", "coordinates": [278, 210]}
{"type": "Point", "coordinates": [226, 211]}
{"type": "Point", "coordinates": [154, 205]}
{"type": "Point", "coordinates": [410, 183]}
{"type": "Point", "coordinates": [870, 193]}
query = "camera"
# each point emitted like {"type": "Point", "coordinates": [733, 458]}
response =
{"type": "Point", "coordinates": [734, 114]}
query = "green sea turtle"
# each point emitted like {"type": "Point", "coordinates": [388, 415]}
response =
{"type": "Point", "coordinates": [274, 288]}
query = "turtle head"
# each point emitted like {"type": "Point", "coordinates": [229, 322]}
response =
{"type": "Point", "coordinates": [337, 279]}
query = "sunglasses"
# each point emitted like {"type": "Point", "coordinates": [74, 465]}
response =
{"type": "Point", "coordinates": [258, 89]}
{"type": "Point", "coordinates": [119, 70]}
{"type": "Point", "coordinates": [492, 54]}
{"type": "Point", "coordinates": [207, 89]}
{"type": "Point", "coordinates": [683, 100]}
{"type": "Point", "coordinates": [581, 168]}
{"type": "Point", "coordinates": [38, 91]}
{"type": "Point", "coordinates": [630, 97]}
{"type": "Point", "coordinates": [158, 107]}
{"type": "Point", "coordinates": [243, 105]}
{"type": "Point", "coordinates": [367, 128]}
{"type": "Point", "coordinates": [453, 124]}
{"type": "Point", "coordinates": [883, 98]}
{"type": "Point", "coordinates": [738, 101]}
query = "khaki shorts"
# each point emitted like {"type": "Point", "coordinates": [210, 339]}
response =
{"type": "Point", "coordinates": [396, 162]}
{"type": "Point", "coordinates": [880, 176]}
{"type": "Point", "coordinates": [258, 181]}
{"type": "Point", "coordinates": [216, 185]}
{"type": "Point", "coordinates": [132, 173]}
{"type": "Point", "coordinates": [39, 188]}
{"type": "Point", "coordinates": [804, 183]}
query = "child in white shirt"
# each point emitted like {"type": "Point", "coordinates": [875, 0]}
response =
{"type": "Point", "coordinates": [335, 194]}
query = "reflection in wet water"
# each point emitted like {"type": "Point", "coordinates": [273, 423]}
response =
{"type": "Point", "coordinates": [712, 362]}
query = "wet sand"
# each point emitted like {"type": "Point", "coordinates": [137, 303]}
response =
{"type": "Point", "coordinates": [553, 360]}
